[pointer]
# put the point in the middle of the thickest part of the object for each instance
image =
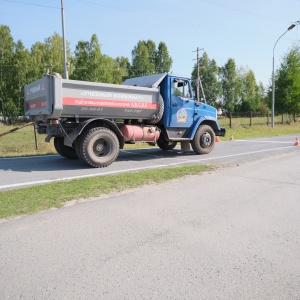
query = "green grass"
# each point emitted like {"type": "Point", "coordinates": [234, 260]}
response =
{"type": "Point", "coordinates": [22, 142]}
{"type": "Point", "coordinates": [240, 131]}
{"type": "Point", "coordinates": [38, 198]}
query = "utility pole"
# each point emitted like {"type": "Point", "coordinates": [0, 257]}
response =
{"type": "Point", "coordinates": [199, 83]}
{"type": "Point", "coordinates": [198, 76]}
{"type": "Point", "coordinates": [66, 75]}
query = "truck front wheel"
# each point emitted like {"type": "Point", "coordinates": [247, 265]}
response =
{"type": "Point", "coordinates": [204, 140]}
{"type": "Point", "coordinates": [98, 147]}
{"type": "Point", "coordinates": [64, 150]}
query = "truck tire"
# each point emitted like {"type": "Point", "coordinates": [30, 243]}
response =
{"type": "Point", "coordinates": [64, 150]}
{"type": "Point", "coordinates": [157, 117]}
{"type": "Point", "coordinates": [204, 140]}
{"type": "Point", "coordinates": [98, 147]}
{"type": "Point", "coordinates": [165, 145]}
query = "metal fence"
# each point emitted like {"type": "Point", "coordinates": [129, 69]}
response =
{"type": "Point", "coordinates": [230, 119]}
{"type": "Point", "coordinates": [20, 119]}
{"type": "Point", "coordinates": [251, 118]}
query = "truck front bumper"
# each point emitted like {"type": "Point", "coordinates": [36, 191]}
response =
{"type": "Point", "coordinates": [221, 132]}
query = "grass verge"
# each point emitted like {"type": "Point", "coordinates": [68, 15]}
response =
{"type": "Point", "coordinates": [22, 142]}
{"type": "Point", "coordinates": [38, 198]}
{"type": "Point", "coordinates": [256, 131]}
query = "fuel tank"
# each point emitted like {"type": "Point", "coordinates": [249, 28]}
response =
{"type": "Point", "coordinates": [140, 133]}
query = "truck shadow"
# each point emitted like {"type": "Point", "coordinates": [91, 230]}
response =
{"type": "Point", "coordinates": [152, 154]}
{"type": "Point", "coordinates": [40, 163]}
{"type": "Point", "coordinates": [51, 163]}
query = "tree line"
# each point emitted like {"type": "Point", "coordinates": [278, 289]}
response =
{"type": "Point", "coordinates": [228, 87]}
{"type": "Point", "coordinates": [235, 88]}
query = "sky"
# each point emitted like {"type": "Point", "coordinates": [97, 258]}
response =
{"type": "Point", "coordinates": [243, 30]}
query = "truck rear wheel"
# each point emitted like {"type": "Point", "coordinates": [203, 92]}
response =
{"type": "Point", "coordinates": [204, 140]}
{"type": "Point", "coordinates": [64, 150]}
{"type": "Point", "coordinates": [98, 147]}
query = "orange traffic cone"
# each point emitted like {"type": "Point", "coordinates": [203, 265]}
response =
{"type": "Point", "coordinates": [297, 142]}
{"type": "Point", "coordinates": [231, 137]}
{"type": "Point", "coordinates": [217, 139]}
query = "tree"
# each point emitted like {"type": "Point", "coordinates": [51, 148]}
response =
{"type": "Point", "coordinates": [88, 60]}
{"type": "Point", "coordinates": [231, 86]}
{"type": "Point", "coordinates": [81, 69]}
{"type": "Point", "coordinates": [141, 60]}
{"type": "Point", "coordinates": [91, 65]}
{"type": "Point", "coordinates": [250, 99]}
{"type": "Point", "coordinates": [163, 60]}
{"type": "Point", "coordinates": [151, 51]}
{"type": "Point", "coordinates": [48, 57]}
{"type": "Point", "coordinates": [287, 83]}
{"type": "Point", "coordinates": [108, 70]}
{"type": "Point", "coordinates": [209, 74]}
{"type": "Point", "coordinates": [263, 106]}
{"type": "Point", "coordinates": [55, 53]}
{"type": "Point", "coordinates": [22, 65]}
{"type": "Point", "coordinates": [146, 59]}
{"type": "Point", "coordinates": [15, 64]}
{"type": "Point", "coordinates": [121, 72]}
{"type": "Point", "coordinates": [40, 66]}
{"type": "Point", "coordinates": [6, 64]}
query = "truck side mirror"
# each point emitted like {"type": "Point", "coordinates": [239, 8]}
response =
{"type": "Point", "coordinates": [179, 82]}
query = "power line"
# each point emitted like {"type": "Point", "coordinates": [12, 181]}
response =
{"type": "Point", "coordinates": [195, 25]}
{"type": "Point", "coordinates": [242, 11]}
{"type": "Point", "coordinates": [137, 13]}
{"type": "Point", "coordinates": [31, 4]}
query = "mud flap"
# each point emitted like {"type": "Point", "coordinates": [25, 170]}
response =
{"type": "Point", "coordinates": [185, 146]}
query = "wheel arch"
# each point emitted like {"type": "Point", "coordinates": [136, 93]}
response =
{"type": "Point", "coordinates": [91, 123]}
{"type": "Point", "coordinates": [212, 122]}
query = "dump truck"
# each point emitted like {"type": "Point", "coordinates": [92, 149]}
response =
{"type": "Point", "coordinates": [92, 121]}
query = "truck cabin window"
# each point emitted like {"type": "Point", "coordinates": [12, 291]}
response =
{"type": "Point", "coordinates": [181, 88]}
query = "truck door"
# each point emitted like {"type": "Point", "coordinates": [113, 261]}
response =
{"type": "Point", "coordinates": [182, 104]}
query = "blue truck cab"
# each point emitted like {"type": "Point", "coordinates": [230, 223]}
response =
{"type": "Point", "coordinates": [185, 120]}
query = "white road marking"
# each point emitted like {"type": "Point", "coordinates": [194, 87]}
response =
{"type": "Point", "coordinates": [137, 169]}
{"type": "Point", "coordinates": [256, 141]}
{"type": "Point", "coordinates": [233, 155]}
{"type": "Point", "coordinates": [75, 177]}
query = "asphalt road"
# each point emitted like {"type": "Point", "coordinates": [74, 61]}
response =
{"type": "Point", "coordinates": [26, 171]}
{"type": "Point", "coordinates": [232, 233]}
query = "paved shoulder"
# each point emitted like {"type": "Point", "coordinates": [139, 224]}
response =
{"type": "Point", "coordinates": [230, 234]}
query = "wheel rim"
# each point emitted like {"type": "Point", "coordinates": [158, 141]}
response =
{"type": "Point", "coordinates": [205, 140]}
{"type": "Point", "coordinates": [101, 147]}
